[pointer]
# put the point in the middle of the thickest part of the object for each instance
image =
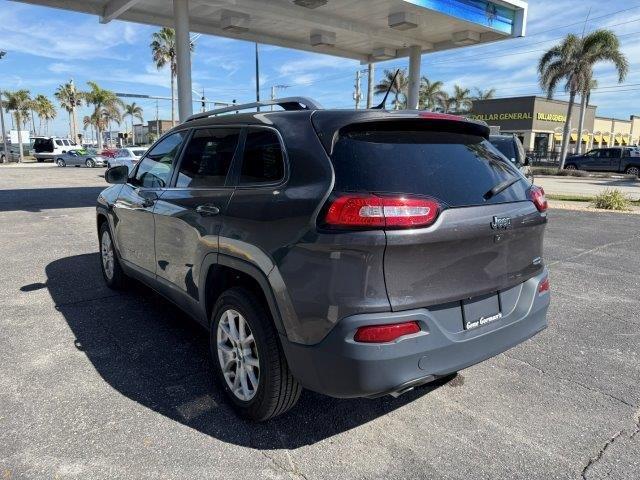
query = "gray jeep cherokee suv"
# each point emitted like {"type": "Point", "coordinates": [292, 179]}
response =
{"type": "Point", "coordinates": [353, 253]}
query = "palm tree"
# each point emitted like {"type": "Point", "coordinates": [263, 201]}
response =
{"type": "Point", "coordinates": [163, 50]}
{"type": "Point", "coordinates": [19, 103]}
{"type": "Point", "coordinates": [431, 93]}
{"type": "Point", "coordinates": [45, 110]}
{"type": "Point", "coordinates": [585, 96]}
{"type": "Point", "coordinates": [398, 88]}
{"type": "Point", "coordinates": [484, 94]}
{"type": "Point", "coordinates": [572, 62]}
{"type": "Point", "coordinates": [461, 99]}
{"type": "Point", "coordinates": [103, 101]}
{"type": "Point", "coordinates": [133, 111]}
{"type": "Point", "coordinates": [69, 98]}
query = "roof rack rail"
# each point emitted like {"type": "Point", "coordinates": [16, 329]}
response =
{"type": "Point", "coordinates": [288, 103]}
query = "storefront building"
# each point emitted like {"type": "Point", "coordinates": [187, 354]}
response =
{"type": "Point", "coordinates": [539, 122]}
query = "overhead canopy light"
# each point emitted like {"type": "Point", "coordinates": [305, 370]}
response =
{"type": "Point", "coordinates": [310, 3]}
{"type": "Point", "coordinates": [466, 37]}
{"type": "Point", "coordinates": [322, 39]}
{"type": "Point", "coordinates": [383, 53]}
{"type": "Point", "coordinates": [403, 20]}
{"type": "Point", "coordinates": [234, 21]}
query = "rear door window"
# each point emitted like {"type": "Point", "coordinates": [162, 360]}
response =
{"type": "Point", "coordinates": [262, 160]}
{"type": "Point", "coordinates": [207, 158]}
{"type": "Point", "coordinates": [458, 169]}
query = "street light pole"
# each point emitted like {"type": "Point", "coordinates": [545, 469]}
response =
{"type": "Point", "coordinates": [257, 77]}
{"type": "Point", "coordinates": [4, 132]}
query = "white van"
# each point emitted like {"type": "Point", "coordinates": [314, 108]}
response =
{"type": "Point", "coordinates": [46, 148]}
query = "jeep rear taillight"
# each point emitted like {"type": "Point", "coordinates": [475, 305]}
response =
{"type": "Point", "coordinates": [385, 333]}
{"type": "Point", "coordinates": [536, 195]}
{"type": "Point", "coordinates": [373, 211]}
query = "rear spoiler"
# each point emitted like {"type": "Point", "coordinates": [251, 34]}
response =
{"type": "Point", "coordinates": [330, 131]}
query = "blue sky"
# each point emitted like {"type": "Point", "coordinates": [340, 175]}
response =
{"type": "Point", "coordinates": [48, 47]}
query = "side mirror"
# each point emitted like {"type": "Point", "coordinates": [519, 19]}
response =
{"type": "Point", "coordinates": [527, 161]}
{"type": "Point", "coordinates": [117, 174]}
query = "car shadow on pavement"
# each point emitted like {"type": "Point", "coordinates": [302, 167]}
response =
{"type": "Point", "coordinates": [38, 199]}
{"type": "Point", "coordinates": [151, 352]}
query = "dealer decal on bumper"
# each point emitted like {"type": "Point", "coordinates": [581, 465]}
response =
{"type": "Point", "coordinates": [482, 321]}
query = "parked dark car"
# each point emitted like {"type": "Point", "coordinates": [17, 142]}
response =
{"type": "Point", "coordinates": [616, 159]}
{"type": "Point", "coordinates": [511, 147]}
{"type": "Point", "coordinates": [353, 253]}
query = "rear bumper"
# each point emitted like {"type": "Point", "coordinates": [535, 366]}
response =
{"type": "Point", "coordinates": [340, 367]}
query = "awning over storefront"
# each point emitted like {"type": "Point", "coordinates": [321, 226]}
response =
{"type": "Point", "coordinates": [557, 137]}
{"type": "Point", "coordinates": [586, 137]}
{"type": "Point", "coordinates": [574, 137]}
{"type": "Point", "coordinates": [625, 139]}
{"type": "Point", "coordinates": [597, 138]}
{"type": "Point", "coordinates": [606, 138]}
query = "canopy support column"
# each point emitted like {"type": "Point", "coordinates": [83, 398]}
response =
{"type": "Point", "coordinates": [183, 58]}
{"type": "Point", "coordinates": [415, 57]}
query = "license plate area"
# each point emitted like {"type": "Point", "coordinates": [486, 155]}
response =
{"type": "Point", "coordinates": [481, 310]}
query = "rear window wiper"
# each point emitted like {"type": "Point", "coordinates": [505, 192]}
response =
{"type": "Point", "coordinates": [501, 187]}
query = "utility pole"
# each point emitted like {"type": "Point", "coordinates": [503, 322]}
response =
{"type": "Point", "coordinates": [4, 132]}
{"type": "Point", "coordinates": [157, 121]}
{"type": "Point", "coordinates": [257, 77]}
{"type": "Point", "coordinates": [357, 94]}
{"type": "Point", "coordinates": [371, 74]}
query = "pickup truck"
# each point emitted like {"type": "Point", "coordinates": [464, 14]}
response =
{"type": "Point", "coordinates": [616, 159]}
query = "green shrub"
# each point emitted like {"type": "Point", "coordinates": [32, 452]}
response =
{"type": "Point", "coordinates": [611, 200]}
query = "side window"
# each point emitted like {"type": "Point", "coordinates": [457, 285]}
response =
{"type": "Point", "coordinates": [626, 153]}
{"type": "Point", "coordinates": [154, 171]}
{"type": "Point", "coordinates": [262, 161]}
{"type": "Point", "coordinates": [59, 143]}
{"type": "Point", "coordinates": [207, 158]}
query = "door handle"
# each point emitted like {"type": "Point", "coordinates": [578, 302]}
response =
{"type": "Point", "coordinates": [207, 210]}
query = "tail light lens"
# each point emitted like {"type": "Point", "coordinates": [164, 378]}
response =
{"type": "Point", "coordinates": [385, 333]}
{"type": "Point", "coordinates": [544, 286]}
{"type": "Point", "coordinates": [374, 211]}
{"type": "Point", "coordinates": [536, 195]}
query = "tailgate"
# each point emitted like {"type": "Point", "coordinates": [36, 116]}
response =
{"type": "Point", "coordinates": [462, 256]}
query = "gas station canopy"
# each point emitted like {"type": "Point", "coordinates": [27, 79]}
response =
{"type": "Point", "coordinates": [365, 30]}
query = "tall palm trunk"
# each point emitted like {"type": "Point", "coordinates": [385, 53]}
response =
{"type": "Point", "coordinates": [21, 159]}
{"type": "Point", "coordinates": [583, 109]}
{"type": "Point", "coordinates": [566, 133]}
{"type": "Point", "coordinates": [173, 100]}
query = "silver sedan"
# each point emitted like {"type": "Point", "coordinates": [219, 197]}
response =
{"type": "Point", "coordinates": [127, 156]}
{"type": "Point", "coordinates": [77, 158]}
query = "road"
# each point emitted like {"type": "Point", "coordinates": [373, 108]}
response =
{"type": "Point", "coordinates": [587, 187]}
{"type": "Point", "coordinates": [100, 384]}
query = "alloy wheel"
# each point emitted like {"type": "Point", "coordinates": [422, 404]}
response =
{"type": "Point", "coordinates": [633, 171]}
{"type": "Point", "coordinates": [570, 167]}
{"type": "Point", "coordinates": [238, 355]}
{"type": "Point", "coordinates": [106, 251]}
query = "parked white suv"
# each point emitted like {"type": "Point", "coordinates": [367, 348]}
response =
{"type": "Point", "coordinates": [47, 148]}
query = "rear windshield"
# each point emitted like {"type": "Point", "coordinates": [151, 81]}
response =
{"type": "Point", "coordinates": [458, 169]}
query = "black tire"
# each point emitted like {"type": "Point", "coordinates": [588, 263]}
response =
{"type": "Point", "coordinates": [90, 163]}
{"type": "Point", "coordinates": [61, 163]}
{"type": "Point", "coordinates": [633, 170]}
{"type": "Point", "coordinates": [118, 279]}
{"type": "Point", "coordinates": [277, 391]}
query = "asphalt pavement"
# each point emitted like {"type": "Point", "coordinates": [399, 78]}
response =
{"type": "Point", "coordinates": [100, 384]}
